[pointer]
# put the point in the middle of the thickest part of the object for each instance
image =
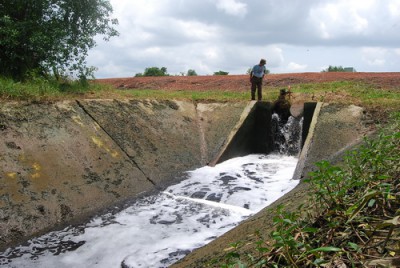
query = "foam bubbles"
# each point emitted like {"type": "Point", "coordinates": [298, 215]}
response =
{"type": "Point", "coordinates": [157, 231]}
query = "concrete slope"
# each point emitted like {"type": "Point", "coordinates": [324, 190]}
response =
{"type": "Point", "coordinates": [165, 138]}
{"type": "Point", "coordinates": [161, 138]}
{"type": "Point", "coordinates": [220, 127]}
{"type": "Point", "coordinates": [57, 165]}
{"type": "Point", "coordinates": [63, 162]}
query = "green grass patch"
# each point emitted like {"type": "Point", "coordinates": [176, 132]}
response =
{"type": "Point", "coordinates": [45, 89]}
{"type": "Point", "coordinates": [350, 92]}
{"type": "Point", "coordinates": [213, 95]}
{"type": "Point", "coordinates": [31, 90]}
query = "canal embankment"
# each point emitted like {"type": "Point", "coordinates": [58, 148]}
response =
{"type": "Point", "coordinates": [64, 162]}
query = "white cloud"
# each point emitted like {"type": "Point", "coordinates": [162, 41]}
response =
{"type": "Point", "coordinates": [394, 9]}
{"type": "Point", "coordinates": [292, 66]}
{"type": "Point", "coordinates": [152, 51]}
{"type": "Point", "coordinates": [232, 35]}
{"type": "Point", "coordinates": [197, 30]}
{"type": "Point", "coordinates": [211, 53]}
{"type": "Point", "coordinates": [274, 56]}
{"type": "Point", "coordinates": [342, 17]}
{"type": "Point", "coordinates": [232, 7]}
{"type": "Point", "coordinates": [374, 56]}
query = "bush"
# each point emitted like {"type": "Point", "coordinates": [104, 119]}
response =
{"type": "Point", "coordinates": [338, 69]}
{"type": "Point", "coordinates": [221, 73]}
{"type": "Point", "coordinates": [155, 71]}
{"type": "Point", "coordinates": [191, 72]}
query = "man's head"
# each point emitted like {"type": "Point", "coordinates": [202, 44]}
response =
{"type": "Point", "coordinates": [263, 62]}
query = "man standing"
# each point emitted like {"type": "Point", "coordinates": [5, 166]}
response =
{"type": "Point", "coordinates": [256, 79]}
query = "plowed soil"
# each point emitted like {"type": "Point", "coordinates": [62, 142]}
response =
{"type": "Point", "coordinates": [241, 82]}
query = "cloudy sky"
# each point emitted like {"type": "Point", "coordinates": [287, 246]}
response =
{"type": "Point", "coordinates": [233, 35]}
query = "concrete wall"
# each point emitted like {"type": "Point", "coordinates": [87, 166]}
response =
{"type": "Point", "coordinates": [63, 162]}
{"type": "Point", "coordinates": [251, 135]}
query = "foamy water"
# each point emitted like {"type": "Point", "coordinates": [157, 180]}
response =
{"type": "Point", "coordinates": [157, 231]}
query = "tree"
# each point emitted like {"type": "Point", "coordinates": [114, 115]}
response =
{"type": "Point", "coordinates": [191, 72]}
{"type": "Point", "coordinates": [334, 69]}
{"type": "Point", "coordinates": [221, 73]}
{"type": "Point", "coordinates": [51, 36]}
{"type": "Point", "coordinates": [155, 71]}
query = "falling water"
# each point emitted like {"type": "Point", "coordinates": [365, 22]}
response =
{"type": "Point", "coordinates": [158, 230]}
{"type": "Point", "coordinates": [287, 134]}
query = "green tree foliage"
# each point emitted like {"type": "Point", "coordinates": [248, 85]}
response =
{"type": "Point", "coordinates": [154, 71]}
{"type": "Point", "coordinates": [334, 69]}
{"type": "Point", "coordinates": [51, 36]}
{"type": "Point", "coordinates": [221, 73]}
{"type": "Point", "coordinates": [191, 72]}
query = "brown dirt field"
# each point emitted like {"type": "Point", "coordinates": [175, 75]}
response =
{"type": "Point", "coordinates": [241, 82]}
{"type": "Point", "coordinates": [389, 81]}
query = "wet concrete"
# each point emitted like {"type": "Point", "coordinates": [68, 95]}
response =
{"type": "Point", "coordinates": [63, 162]}
{"type": "Point", "coordinates": [251, 135]}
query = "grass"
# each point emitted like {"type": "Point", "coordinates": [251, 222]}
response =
{"type": "Point", "coordinates": [208, 95]}
{"type": "Point", "coordinates": [350, 92]}
{"type": "Point", "coordinates": [346, 92]}
{"type": "Point", "coordinates": [40, 89]}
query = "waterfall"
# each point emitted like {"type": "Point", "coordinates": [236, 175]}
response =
{"type": "Point", "coordinates": [287, 134]}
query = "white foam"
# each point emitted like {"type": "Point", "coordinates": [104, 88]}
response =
{"type": "Point", "coordinates": [159, 230]}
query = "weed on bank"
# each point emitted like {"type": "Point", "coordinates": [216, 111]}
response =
{"type": "Point", "coordinates": [351, 220]}
{"type": "Point", "coordinates": [41, 89]}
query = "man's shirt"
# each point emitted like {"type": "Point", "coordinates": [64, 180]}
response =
{"type": "Point", "coordinates": [258, 70]}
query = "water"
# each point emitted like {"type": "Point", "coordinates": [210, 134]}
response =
{"type": "Point", "coordinates": [158, 230]}
{"type": "Point", "coordinates": [287, 134]}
